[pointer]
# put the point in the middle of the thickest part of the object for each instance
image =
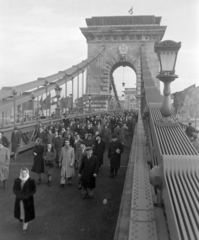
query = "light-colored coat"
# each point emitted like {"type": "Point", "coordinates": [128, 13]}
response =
{"type": "Point", "coordinates": [4, 163]}
{"type": "Point", "coordinates": [67, 157]}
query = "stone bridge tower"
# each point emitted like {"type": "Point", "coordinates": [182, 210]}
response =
{"type": "Point", "coordinates": [122, 37]}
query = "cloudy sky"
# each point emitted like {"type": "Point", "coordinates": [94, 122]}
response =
{"type": "Point", "coordinates": [41, 37]}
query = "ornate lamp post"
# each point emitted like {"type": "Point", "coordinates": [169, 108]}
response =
{"type": "Point", "coordinates": [167, 52]}
{"type": "Point", "coordinates": [58, 95]}
{"type": "Point", "coordinates": [89, 99]}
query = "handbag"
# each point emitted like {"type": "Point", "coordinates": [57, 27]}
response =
{"type": "Point", "coordinates": [49, 163]}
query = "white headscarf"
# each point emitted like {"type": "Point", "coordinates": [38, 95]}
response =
{"type": "Point", "coordinates": [21, 177]}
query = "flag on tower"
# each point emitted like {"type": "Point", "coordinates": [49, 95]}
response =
{"type": "Point", "coordinates": [131, 11]}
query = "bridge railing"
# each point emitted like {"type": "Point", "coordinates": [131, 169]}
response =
{"type": "Point", "coordinates": [175, 174]}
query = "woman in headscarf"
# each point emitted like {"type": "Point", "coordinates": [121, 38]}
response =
{"type": "Point", "coordinates": [38, 165]}
{"type": "Point", "coordinates": [49, 158]}
{"type": "Point", "coordinates": [24, 188]}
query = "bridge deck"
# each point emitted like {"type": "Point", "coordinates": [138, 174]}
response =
{"type": "Point", "coordinates": [61, 213]}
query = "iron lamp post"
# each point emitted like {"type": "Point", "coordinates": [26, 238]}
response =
{"type": "Point", "coordinates": [58, 95]}
{"type": "Point", "coordinates": [167, 52]}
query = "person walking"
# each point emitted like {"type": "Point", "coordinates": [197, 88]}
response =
{"type": "Point", "coordinates": [4, 164]}
{"type": "Point", "coordinates": [88, 172]}
{"type": "Point", "coordinates": [106, 135]}
{"type": "Point", "coordinates": [24, 188]}
{"type": "Point", "coordinates": [59, 142]}
{"type": "Point", "coordinates": [76, 147]}
{"type": "Point", "coordinates": [15, 141]}
{"type": "Point", "coordinates": [66, 162]}
{"type": "Point", "coordinates": [49, 158]}
{"type": "Point", "coordinates": [80, 153]}
{"type": "Point", "coordinates": [38, 165]}
{"type": "Point", "coordinates": [4, 139]}
{"type": "Point", "coordinates": [99, 149]}
{"type": "Point", "coordinates": [114, 154]}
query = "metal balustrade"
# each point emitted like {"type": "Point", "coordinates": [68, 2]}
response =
{"type": "Point", "coordinates": [178, 164]}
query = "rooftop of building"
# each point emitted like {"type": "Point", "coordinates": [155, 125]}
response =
{"type": "Point", "coordinates": [123, 20]}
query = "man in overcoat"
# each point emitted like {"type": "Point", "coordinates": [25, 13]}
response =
{"type": "Point", "coordinates": [66, 162]}
{"type": "Point", "coordinates": [99, 149]}
{"type": "Point", "coordinates": [16, 141]}
{"type": "Point", "coordinates": [114, 154]}
{"type": "Point", "coordinates": [4, 164]}
{"type": "Point", "coordinates": [106, 135]}
{"type": "Point", "coordinates": [80, 153]}
{"type": "Point", "coordinates": [88, 172]}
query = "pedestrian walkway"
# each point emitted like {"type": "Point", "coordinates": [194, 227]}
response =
{"type": "Point", "coordinates": [61, 213]}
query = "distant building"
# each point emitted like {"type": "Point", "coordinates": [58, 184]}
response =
{"type": "Point", "coordinates": [130, 98]}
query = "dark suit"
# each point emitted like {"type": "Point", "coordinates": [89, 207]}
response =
{"type": "Point", "coordinates": [99, 149]}
{"type": "Point", "coordinates": [114, 156]}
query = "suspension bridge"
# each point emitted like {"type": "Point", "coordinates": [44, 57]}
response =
{"type": "Point", "coordinates": [160, 196]}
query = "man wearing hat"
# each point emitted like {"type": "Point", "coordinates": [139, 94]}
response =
{"type": "Point", "coordinates": [4, 163]}
{"type": "Point", "coordinates": [106, 135]}
{"type": "Point", "coordinates": [99, 149]}
{"type": "Point", "coordinates": [88, 173]}
{"type": "Point", "coordinates": [80, 153]}
{"type": "Point", "coordinates": [89, 140]}
{"type": "Point", "coordinates": [77, 142]}
{"type": "Point", "coordinates": [114, 154]}
{"type": "Point", "coordinates": [15, 141]}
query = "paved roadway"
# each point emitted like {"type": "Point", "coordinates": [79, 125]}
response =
{"type": "Point", "coordinates": [62, 213]}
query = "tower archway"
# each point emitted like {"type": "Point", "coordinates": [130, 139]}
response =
{"type": "Point", "coordinates": [122, 38]}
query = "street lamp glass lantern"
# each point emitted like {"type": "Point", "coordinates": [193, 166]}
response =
{"type": "Point", "coordinates": [123, 84]}
{"type": "Point", "coordinates": [58, 91]}
{"type": "Point", "coordinates": [167, 52]}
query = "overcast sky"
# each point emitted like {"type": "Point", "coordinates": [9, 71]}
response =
{"type": "Point", "coordinates": [41, 37]}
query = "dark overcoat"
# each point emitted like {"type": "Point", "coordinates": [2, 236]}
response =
{"type": "Point", "coordinates": [5, 142]}
{"type": "Point", "coordinates": [113, 155]}
{"type": "Point", "coordinates": [99, 149]}
{"type": "Point", "coordinates": [87, 169]}
{"type": "Point", "coordinates": [38, 165]}
{"type": "Point", "coordinates": [15, 140]}
{"type": "Point", "coordinates": [59, 143]}
{"type": "Point", "coordinates": [26, 195]}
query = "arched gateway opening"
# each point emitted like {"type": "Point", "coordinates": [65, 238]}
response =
{"type": "Point", "coordinates": [119, 39]}
{"type": "Point", "coordinates": [125, 81]}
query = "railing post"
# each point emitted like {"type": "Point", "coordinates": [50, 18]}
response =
{"type": "Point", "coordinates": [2, 118]}
{"type": "Point", "coordinates": [65, 94]}
{"type": "Point", "coordinates": [50, 105]}
{"type": "Point", "coordinates": [14, 105]}
{"type": "Point", "coordinates": [46, 101]}
{"type": "Point", "coordinates": [78, 85]}
{"type": "Point", "coordinates": [72, 93]}
{"type": "Point", "coordinates": [33, 108]}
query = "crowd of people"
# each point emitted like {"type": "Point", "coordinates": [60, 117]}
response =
{"type": "Point", "coordinates": [76, 146]}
